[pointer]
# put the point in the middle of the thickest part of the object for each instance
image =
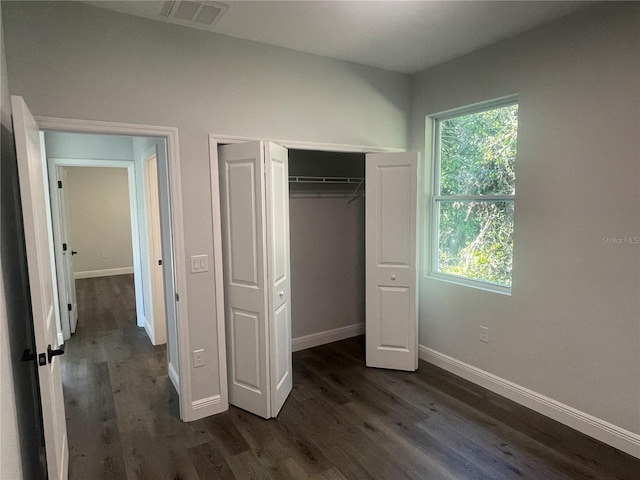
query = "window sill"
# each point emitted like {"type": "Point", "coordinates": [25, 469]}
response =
{"type": "Point", "coordinates": [465, 282]}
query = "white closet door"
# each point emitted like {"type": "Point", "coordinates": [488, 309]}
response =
{"type": "Point", "coordinates": [391, 273]}
{"type": "Point", "coordinates": [277, 168]}
{"type": "Point", "coordinates": [255, 239]}
{"type": "Point", "coordinates": [241, 168]}
{"type": "Point", "coordinates": [36, 236]}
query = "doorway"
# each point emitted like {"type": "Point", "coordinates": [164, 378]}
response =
{"type": "Point", "coordinates": [163, 142]}
{"type": "Point", "coordinates": [115, 200]}
{"type": "Point", "coordinates": [255, 232]}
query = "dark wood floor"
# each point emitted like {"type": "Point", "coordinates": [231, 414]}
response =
{"type": "Point", "coordinates": [342, 420]}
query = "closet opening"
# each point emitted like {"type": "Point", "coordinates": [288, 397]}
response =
{"type": "Point", "coordinates": [307, 261]}
{"type": "Point", "coordinates": [327, 235]}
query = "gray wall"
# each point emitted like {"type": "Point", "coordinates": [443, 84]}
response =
{"type": "Point", "coordinates": [99, 218]}
{"type": "Point", "coordinates": [97, 198]}
{"type": "Point", "coordinates": [570, 330]}
{"type": "Point", "coordinates": [88, 146]}
{"type": "Point", "coordinates": [327, 263]}
{"type": "Point", "coordinates": [74, 60]}
{"type": "Point", "coordinates": [20, 447]}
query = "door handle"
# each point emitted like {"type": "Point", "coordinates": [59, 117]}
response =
{"type": "Point", "coordinates": [52, 353]}
{"type": "Point", "coordinates": [73, 252]}
{"type": "Point", "coordinates": [393, 277]}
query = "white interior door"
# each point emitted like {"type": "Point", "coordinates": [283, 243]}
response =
{"type": "Point", "coordinates": [32, 194]}
{"type": "Point", "coordinates": [155, 250]}
{"type": "Point", "coordinates": [391, 261]}
{"type": "Point", "coordinates": [257, 313]}
{"type": "Point", "coordinates": [279, 273]}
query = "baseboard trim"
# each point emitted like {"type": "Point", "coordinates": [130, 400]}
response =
{"type": "Point", "coordinates": [208, 406]}
{"type": "Point", "coordinates": [149, 329]}
{"type": "Point", "coordinates": [103, 273]}
{"type": "Point", "coordinates": [327, 336]}
{"type": "Point", "coordinates": [173, 376]}
{"type": "Point", "coordinates": [617, 437]}
{"type": "Point", "coordinates": [206, 402]}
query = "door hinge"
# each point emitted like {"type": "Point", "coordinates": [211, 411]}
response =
{"type": "Point", "coordinates": [177, 297]}
{"type": "Point", "coordinates": [69, 307]}
{"type": "Point", "coordinates": [28, 355]}
{"type": "Point", "coordinates": [64, 247]}
{"type": "Point", "coordinates": [160, 262]}
{"type": "Point", "coordinates": [59, 183]}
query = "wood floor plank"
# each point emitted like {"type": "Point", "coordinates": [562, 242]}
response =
{"type": "Point", "coordinates": [210, 463]}
{"type": "Point", "coordinates": [342, 421]}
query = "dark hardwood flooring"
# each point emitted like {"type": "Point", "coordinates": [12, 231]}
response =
{"type": "Point", "coordinates": [341, 421]}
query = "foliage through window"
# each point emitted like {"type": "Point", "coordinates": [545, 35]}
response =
{"type": "Point", "coordinates": [474, 191]}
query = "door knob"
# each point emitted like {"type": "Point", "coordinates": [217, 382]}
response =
{"type": "Point", "coordinates": [281, 295]}
{"type": "Point", "coordinates": [393, 277]}
{"type": "Point", "coordinates": [52, 353]}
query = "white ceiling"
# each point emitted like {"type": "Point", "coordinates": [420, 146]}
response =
{"type": "Point", "coordinates": [403, 36]}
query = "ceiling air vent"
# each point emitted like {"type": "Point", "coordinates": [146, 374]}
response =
{"type": "Point", "coordinates": [202, 13]}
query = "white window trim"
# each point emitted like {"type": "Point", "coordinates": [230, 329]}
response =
{"type": "Point", "coordinates": [434, 199]}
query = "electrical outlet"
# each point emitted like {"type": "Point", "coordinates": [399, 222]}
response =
{"type": "Point", "coordinates": [484, 334]}
{"type": "Point", "coordinates": [198, 358]}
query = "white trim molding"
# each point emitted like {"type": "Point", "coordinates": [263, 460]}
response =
{"type": "Point", "coordinates": [173, 376]}
{"type": "Point", "coordinates": [208, 406]}
{"type": "Point", "coordinates": [303, 145]}
{"type": "Point", "coordinates": [327, 336]}
{"type": "Point", "coordinates": [617, 437]}
{"type": "Point", "coordinates": [170, 134]}
{"type": "Point", "coordinates": [107, 272]}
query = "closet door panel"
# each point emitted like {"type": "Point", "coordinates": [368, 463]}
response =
{"type": "Point", "coordinates": [279, 273]}
{"type": "Point", "coordinates": [391, 261]}
{"type": "Point", "coordinates": [242, 193]}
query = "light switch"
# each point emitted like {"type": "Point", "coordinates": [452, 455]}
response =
{"type": "Point", "coordinates": [199, 263]}
{"type": "Point", "coordinates": [198, 358]}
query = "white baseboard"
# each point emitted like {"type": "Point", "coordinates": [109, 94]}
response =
{"type": "Point", "coordinates": [328, 336]}
{"type": "Point", "coordinates": [207, 406]}
{"type": "Point", "coordinates": [206, 402]}
{"type": "Point", "coordinates": [103, 273]}
{"type": "Point", "coordinates": [597, 428]}
{"type": "Point", "coordinates": [173, 376]}
{"type": "Point", "coordinates": [149, 329]}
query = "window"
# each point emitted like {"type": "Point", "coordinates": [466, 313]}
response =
{"type": "Point", "coordinates": [474, 191]}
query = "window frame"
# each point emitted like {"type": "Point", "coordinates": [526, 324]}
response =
{"type": "Point", "coordinates": [436, 199]}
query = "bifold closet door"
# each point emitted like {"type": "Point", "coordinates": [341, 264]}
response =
{"type": "Point", "coordinates": [279, 273]}
{"type": "Point", "coordinates": [255, 241]}
{"type": "Point", "coordinates": [391, 260]}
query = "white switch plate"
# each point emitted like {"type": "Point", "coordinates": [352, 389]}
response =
{"type": "Point", "coordinates": [199, 263]}
{"type": "Point", "coordinates": [198, 358]}
{"type": "Point", "coordinates": [484, 334]}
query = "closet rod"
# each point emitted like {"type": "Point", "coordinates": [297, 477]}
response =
{"type": "Point", "coordinates": [309, 179]}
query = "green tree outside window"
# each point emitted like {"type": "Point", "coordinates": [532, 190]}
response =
{"type": "Point", "coordinates": [475, 191]}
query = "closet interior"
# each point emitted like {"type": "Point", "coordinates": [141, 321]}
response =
{"type": "Point", "coordinates": [327, 234]}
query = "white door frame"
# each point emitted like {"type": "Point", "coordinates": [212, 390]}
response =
{"type": "Point", "coordinates": [215, 141]}
{"type": "Point", "coordinates": [53, 164]}
{"type": "Point", "coordinates": [170, 134]}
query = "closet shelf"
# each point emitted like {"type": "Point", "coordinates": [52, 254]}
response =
{"type": "Point", "coordinates": [330, 180]}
